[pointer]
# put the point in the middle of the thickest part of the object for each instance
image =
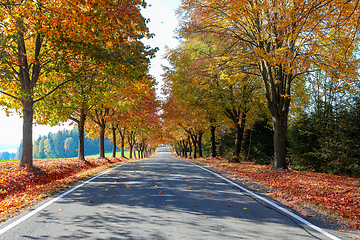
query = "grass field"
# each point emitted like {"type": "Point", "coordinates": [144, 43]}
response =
{"type": "Point", "coordinates": [108, 154]}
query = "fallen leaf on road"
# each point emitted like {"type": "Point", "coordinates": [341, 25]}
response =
{"type": "Point", "coordinates": [90, 201]}
{"type": "Point", "coordinates": [228, 205]}
{"type": "Point", "coordinates": [127, 185]}
{"type": "Point", "coordinates": [159, 192]}
{"type": "Point", "coordinates": [245, 208]}
{"type": "Point", "coordinates": [130, 199]}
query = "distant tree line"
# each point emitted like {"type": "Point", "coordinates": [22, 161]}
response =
{"type": "Point", "coordinates": [7, 156]}
{"type": "Point", "coordinates": [63, 144]}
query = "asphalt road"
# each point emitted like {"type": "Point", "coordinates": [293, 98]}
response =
{"type": "Point", "coordinates": [158, 198]}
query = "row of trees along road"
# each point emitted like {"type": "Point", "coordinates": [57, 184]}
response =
{"type": "Point", "coordinates": [82, 61]}
{"type": "Point", "coordinates": [240, 59]}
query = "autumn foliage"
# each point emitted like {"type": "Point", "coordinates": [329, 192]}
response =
{"type": "Point", "coordinates": [336, 196]}
{"type": "Point", "coordinates": [20, 187]}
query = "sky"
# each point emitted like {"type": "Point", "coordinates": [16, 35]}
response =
{"type": "Point", "coordinates": [162, 23]}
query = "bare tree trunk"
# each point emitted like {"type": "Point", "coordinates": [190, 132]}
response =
{"type": "Point", "coordinates": [113, 129]}
{"type": "Point", "coordinates": [213, 141]}
{"type": "Point", "coordinates": [239, 126]}
{"type": "Point", "coordinates": [122, 144]}
{"type": "Point", "coordinates": [102, 140]}
{"type": "Point", "coordinates": [195, 145]}
{"type": "Point", "coordinates": [81, 128]}
{"type": "Point", "coordinates": [131, 151]}
{"type": "Point", "coordinates": [279, 146]}
{"type": "Point", "coordinates": [26, 159]}
{"type": "Point", "coordinates": [199, 142]}
{"type": "Point", "coordinates": [189, 142]}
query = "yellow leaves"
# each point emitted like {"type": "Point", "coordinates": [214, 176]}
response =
{"type": "Point", "coordinates": [127, 185]}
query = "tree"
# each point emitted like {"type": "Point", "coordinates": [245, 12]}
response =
{"type": "Point", "coordinates": [205, 76]}
{"type": "Point", "coordinates": [38, 37]}
{"type": "Point", "coordinates": [280, 41]}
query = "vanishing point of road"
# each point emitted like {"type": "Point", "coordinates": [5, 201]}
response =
{"type": "Point", "coordinates": [159, 198]}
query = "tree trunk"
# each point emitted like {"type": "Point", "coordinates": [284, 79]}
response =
{"type": "Point", "coordinates": [199, 142]}
{"type": "Point", "coordinates": [279, 145]}
{"type": "Point", "coordinates": [81, 128]}
{"type": "Point", "coordinates": [114, 141]}
{"type": "Point", "coordinates": [213, 141]}
{"type": "Point", "coordinates": [131, 150]}
{"type": "Point", "coordinates": [26, 159]}
{"type": "Point", "coordinates": [190, 148]}
{"type": "Point", "coordinates": [122, 144]}
{"type": "Point", "coordinates": [102, 140]}
{"type": "Point", "coordinates": [185, 148]}
{"type": "Point", "coordinates": [134, 153]}
{"type": "Point", "coordinates": [195, 145]}
{"type": "Point", "coordinates": [239, 126]}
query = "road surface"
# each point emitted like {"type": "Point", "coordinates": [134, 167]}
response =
{"type": "Point", "coordinates": [158, 198]}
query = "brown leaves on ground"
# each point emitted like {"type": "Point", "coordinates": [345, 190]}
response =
{"type": "Point", "coordinates": [336, 196]}
{"type": "Point", "coordinates": [20, 187]}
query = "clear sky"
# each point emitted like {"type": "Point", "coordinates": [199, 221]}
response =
{"type": "Point", "coordinates": [162, 22]}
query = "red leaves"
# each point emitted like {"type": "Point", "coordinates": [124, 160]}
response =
{"type": "Point", "coordinates": [21, 186]}
{"type": "Point", "coordinates": [328, 193]}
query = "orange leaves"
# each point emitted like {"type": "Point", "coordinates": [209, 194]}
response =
{"type": "Point", "coordinates": [21, 186]}
{"type": "Point", "coordinates": [337, 196]}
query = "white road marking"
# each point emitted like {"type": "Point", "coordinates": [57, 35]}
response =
{"type": "Point", "coordinates": [271, 203]}
{"type": "Point", "coordinates": [20, 220]}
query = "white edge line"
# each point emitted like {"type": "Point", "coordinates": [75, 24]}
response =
{"type": "Point", "coordinates": [272, 204]}
{"type": "Point", "coordinates": [13, 224]}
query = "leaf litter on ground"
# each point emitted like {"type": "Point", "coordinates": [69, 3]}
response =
{"type": "Point", "coordinates": [337, 197]}
{"type": "Point", "coordinates": [21, 187]}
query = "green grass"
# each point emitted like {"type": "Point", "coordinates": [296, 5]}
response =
{"type": "Point", "coordinates": [108, 154]}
